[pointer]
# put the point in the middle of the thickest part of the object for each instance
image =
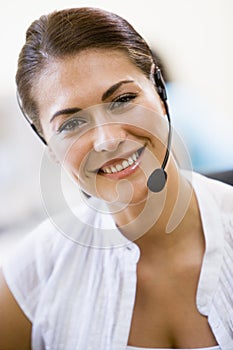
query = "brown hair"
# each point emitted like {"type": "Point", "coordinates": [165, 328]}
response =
{"type": "Point", "coordinates": [67, 32]}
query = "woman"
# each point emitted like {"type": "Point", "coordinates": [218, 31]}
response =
{"type": "Point", "coordinates": [114, 278]}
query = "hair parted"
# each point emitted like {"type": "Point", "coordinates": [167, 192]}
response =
{"type": "Point", "coordinates": [67, 32]}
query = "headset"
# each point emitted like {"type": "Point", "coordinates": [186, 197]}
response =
{"type": "Point", "coordinates": [158, 178]}
{"type": "Point", "coordinates": [28, 119]}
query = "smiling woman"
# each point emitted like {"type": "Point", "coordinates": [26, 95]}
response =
{"type": "Point", "coordinates": [138, 265]}
{"type": "Point", "coordinates": [101, 120]}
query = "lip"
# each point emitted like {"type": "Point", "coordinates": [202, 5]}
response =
{"type": "Point", "coordinates": [125, 172]}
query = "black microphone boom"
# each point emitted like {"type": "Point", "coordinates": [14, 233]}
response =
{"type": "Point", "coordinates": [157, 180]}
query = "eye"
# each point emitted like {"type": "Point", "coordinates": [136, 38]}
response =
{"type": "Point", "coordinates": [71, 125]}
{"type": "Point", "coordinates": [122, 101]}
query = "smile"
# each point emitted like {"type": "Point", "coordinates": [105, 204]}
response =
{"type": "Point", "coordinates": [120, 165]}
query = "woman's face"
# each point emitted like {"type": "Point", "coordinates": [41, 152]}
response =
{"type": "Point", "coordinates": [104, 121]}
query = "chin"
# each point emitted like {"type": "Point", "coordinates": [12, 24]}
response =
{"type": "Point", "coordinates": [124, 192]}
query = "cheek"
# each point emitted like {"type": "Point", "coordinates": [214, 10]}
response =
{"type": "Point", "coordinates": [148, 123]}
{"type": "Point", "coordinates": [74, 158]}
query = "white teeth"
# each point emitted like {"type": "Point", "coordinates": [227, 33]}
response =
{"type": "Point", "coordinates": [119, 167]}
{"type": "Point", "coordinates": [113, 169]}
{"type": "Point", "coordinates": [130, 160]}
{"type": "Point", "coordinates": [125, 164]}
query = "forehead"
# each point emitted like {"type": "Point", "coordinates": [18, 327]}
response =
{"type": "Point", "coordinates": [89, 65]}
{"type": "Point", "coordinates": [82, 79]}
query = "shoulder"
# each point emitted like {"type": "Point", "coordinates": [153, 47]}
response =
{"type": "Point", "coordinates": [51, 237]}
{"type": "Point", "coordinates": [216, 205]}
{"type": "Point", "coordinates": [220, 192]}
{"type": "Point", "coordinates": [33, 261]}
{"type": "Point", "coordinates": [27, 272]}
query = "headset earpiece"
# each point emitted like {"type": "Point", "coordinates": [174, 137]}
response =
{"type": "Point", "coordinates": [160, 84]}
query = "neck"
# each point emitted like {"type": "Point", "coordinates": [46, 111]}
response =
{"type": "Point", "coordinates": [164, 219]}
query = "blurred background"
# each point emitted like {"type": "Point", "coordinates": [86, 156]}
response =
{"type": "Point", "coordinates": [193, 39]}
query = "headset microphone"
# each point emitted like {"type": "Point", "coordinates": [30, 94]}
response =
{"type": "Point", "coordinates": [158, 178]}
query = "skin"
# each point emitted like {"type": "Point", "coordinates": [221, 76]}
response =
{"type": "Point", "coordinates": [106, 141]}
{"type": "Point", "coordinates": [165, 312]}
{"type": "Point", "coordinates": [15, 328]}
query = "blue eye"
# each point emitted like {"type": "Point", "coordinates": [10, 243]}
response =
{"type": "Point", "coordinates": [122, 101]}
{"type": "Point", "coordinates": [71, 125]}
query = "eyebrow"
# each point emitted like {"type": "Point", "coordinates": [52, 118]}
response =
{"type": "Point", "coordinates": [113, 88]}
{"type": "Point", "coordinates": [65, 111]}
{"type": "Point", "coordinates": [106, 95]}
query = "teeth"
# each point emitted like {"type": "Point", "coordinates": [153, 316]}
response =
{"type": "Point", "coordinates": [113, 169]}
{"type": "Point", "coordinates": [130, 160]}
{"type": "Point", "coordinates": [125, 164]}
{"type": "Point", "coordinates": [119, 167]}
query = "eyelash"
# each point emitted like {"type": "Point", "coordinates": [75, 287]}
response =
{"type": "Point", "coordinates": [119, 103]}
{"type": "Point", "coordinates": [122, 101]}
{"type": "Point", "coordinates": [71, 124]}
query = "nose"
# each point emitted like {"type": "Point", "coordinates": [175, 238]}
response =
{"type": "Point", "coordinates": [108, 137]}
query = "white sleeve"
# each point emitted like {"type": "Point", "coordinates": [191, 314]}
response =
{"type": "Point", "coordinates": [29, 267]}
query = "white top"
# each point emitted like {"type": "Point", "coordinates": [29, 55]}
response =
{"type": "Point", "coordinates": [209, 348]}
{"type": "Point", "coordinates": [81, 297]}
